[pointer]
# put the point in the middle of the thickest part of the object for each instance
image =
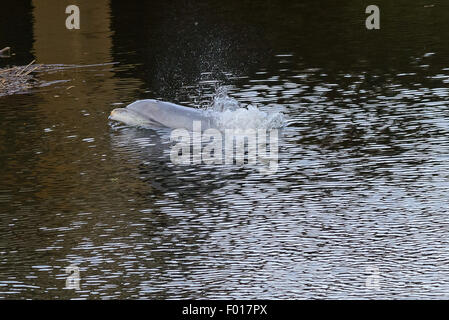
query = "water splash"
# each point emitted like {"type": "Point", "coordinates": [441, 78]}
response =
{"type": "Point", "coordinates": [230, 114]}
{"type": "Point", "coordinates": [222, 102]}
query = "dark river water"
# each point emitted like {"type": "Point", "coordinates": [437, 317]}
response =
{"type": "Point", "coordinates": [358, 207]}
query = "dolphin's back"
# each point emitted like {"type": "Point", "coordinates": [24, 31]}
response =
{"type": "Point", "coordinates": [171, 115]}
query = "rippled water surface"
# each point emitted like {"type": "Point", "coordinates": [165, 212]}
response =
{"type": "Point", "coordinates": [358, 206]}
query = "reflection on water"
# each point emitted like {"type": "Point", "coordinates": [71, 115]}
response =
{"type": "Point", "coordinates": [363, 164]}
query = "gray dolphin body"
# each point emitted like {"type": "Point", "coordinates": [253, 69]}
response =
{"type": "Point", "coordinates": [162, 114]}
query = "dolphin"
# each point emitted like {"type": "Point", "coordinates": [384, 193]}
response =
{"type": "Point", "coordinates": [155, 113]}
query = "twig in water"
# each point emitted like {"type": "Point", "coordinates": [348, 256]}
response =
{"type": "Point", "coordinates": [18, 74]}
